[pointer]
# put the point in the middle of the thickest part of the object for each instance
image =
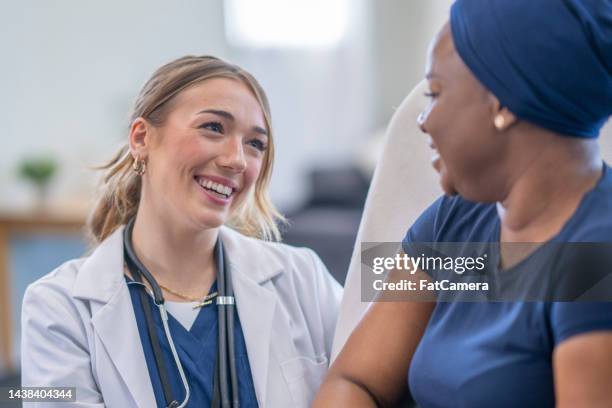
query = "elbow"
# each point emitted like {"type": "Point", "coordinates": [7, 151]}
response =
{"type": "Point", "coordinates": [340, 390]}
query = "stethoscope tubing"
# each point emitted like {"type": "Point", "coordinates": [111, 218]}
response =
{"type": "Point", "coordinates": [226, 305]}
{"type": "Point", "coordinates": [222, 339]}
{"type": "Point", "coordinates": [159, 302]}
{"type": "Point", "coordinates": [164, 315]}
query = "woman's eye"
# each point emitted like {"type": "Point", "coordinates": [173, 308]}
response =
{"type": "Point", "coordinates": [213, 126]}
{"type": "Point", "coordinates": [431, 94]}
{"type": "Point", "coordinates": [258, 144]}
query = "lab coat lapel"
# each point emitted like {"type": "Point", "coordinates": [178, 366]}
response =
{"type": "Point", "coordinates": [257, 306]}
{"type": "Point", "coordinates": [115, 324]}
{"type": "Point", "coordinates": [257, 323]}
{"type": "Point", "coordinates": [101, 281]}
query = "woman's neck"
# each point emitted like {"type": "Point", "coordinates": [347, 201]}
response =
{"type": "Point", "coordinates": [179, 258]}
{"type": "Point", "coordinates": [549, 190]}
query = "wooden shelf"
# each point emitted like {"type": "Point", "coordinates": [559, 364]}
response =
{"type": "Point", "coordinates": [65, 220]}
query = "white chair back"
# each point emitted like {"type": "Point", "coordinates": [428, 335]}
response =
{"type": "Point", "coordinates": [403, 185]}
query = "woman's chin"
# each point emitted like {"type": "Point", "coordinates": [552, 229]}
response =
{"type": "Point", "coordinates": [447, 185]}
{"type": "Point", "coordinates": [449, 191]}
{"type": "Point", "coordinates": [209, 220]}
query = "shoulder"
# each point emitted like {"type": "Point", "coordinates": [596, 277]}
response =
{"type": "Point", "coordinates": [306, 292]}
{"type": "Point", "coordinates": [49, 305]}
{"type": "Point", "coordinates": [59, 281]}
{"type": "Point", "coordinates": [568, 319]}
{"type": "Point", "coordinates": [452, 219]}
{"type": "Point", "coordinates": [272, 253]}
{"type": "Point", "coordinates": [299, 268]}
{"type": "Point", "coordinates": [592, 222]}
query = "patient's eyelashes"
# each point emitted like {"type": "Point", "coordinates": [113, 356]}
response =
{"type": "Point", "coordinates": [431, 94]}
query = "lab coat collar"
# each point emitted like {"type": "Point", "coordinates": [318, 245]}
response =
{"type": "Point", "coordinates": [102, 273]}
{"type": "Point", "coordinates": [101, 279]}
{"type": "Point", "coordinates": [244, 254]}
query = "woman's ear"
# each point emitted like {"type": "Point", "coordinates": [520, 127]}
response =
{"type": "Point", "coordinates": [140, 138]}
{"type": "Point", "coordinates": [501, 117]}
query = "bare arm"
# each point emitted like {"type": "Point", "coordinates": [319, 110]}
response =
{"type": "Point", "coordinates": [583, 371]}
{"type": "Point", "coordinates": [372, 368]}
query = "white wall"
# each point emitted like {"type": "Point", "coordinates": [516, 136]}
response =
{"type": "Point", "coordinates": [322, 103]}
{"type": "Point", "coordinates": [402, 34]}
{"type": "Point", "coordinates": [71, 69]}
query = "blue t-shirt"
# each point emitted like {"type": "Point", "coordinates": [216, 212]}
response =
{"type": "Point", "coordinates": [499, 354]}
{"type": "Point", "coordinates": [197, 350]}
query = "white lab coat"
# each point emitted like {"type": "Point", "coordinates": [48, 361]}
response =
{"type": "Point", "coordinates": [79, 327]}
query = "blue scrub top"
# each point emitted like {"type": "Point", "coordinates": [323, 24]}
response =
{"type": "Point", "coordinates": [500, 354]}
{"type": "Point", "coordinates": [197, 350]}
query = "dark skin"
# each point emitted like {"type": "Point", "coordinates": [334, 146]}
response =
{"type": "Point", "coordinates": [536, 177]}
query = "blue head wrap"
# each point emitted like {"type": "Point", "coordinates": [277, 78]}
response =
{"type": "Point", "coordinates": [548, 61]}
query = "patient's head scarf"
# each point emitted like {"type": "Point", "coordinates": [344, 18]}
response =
{"type": "Point", "coordinates": [548, 61]}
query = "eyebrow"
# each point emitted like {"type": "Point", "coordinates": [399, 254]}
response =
{"type": "Point", "coordinates": [230, 117]}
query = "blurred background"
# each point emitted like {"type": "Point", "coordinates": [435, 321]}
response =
{"type": "Point", "coordinates": [334, 71]}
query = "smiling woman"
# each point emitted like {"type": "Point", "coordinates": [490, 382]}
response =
{"type": "Point", "coordinates": [206, 156]}
{"type": "Point", "coordinates": [197, 97]}
{"type": "Point", "coordinates": [250, 321]}
{"type": "Point", "coordinates": [519, 91]}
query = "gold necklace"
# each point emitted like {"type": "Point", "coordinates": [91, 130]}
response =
{"type": "Point", "coordinates": [207, 300]}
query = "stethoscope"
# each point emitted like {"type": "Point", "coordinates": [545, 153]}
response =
{"type": "Point", "coordinates": [225, 345]}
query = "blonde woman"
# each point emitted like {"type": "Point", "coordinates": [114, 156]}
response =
{"type": "Point", "coordinates": [177, 308]}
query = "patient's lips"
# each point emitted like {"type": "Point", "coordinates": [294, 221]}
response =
{"type": "Point", "coordinates": [435, 158]}
{"type": "Point", "coordinates": [436, 161]}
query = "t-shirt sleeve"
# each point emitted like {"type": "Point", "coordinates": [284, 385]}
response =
{"type": "Point", "coordinates": [423, 229]}
{"type": "Point", "coordinates": [572, 318]}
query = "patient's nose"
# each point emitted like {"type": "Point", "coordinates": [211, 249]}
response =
{"type": "Point", "coordinates": [421, 119]}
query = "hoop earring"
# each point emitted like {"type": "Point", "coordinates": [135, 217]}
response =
{"type": "Point", "coordinates": [139, 166]}
{"type": "Point", "coordinates": [499, 122]}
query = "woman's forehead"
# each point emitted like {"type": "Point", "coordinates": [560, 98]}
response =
{"type": "Point", "coordinates": [215, 89]}
{"type": "Point", "coordinates": [441, 50]}
{"type": "Point", "coordinates": [222, 94]}
{"type": "Point", "coordinates": [444, 62]}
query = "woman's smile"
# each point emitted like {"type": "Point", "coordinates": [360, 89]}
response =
{"type": "Point", "coordinates": [217, 190]}
{"type": "Point", "coordinates": [435, 158]}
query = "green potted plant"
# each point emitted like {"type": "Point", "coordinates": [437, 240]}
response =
{"type": "Point", "coordinates": [39, 171]}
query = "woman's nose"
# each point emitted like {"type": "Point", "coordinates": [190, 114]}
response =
{"type": "Point", "coordinates": [233, 155]}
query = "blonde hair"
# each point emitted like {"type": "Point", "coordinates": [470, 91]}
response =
{"type": "Point", "coordinates": [121, 186]}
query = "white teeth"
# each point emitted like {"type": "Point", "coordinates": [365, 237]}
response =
{"type": "Point", "coordinates": [219, 188]}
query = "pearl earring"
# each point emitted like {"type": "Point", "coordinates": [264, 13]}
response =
{"type": "Point", "coordinates": [499, 122]}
